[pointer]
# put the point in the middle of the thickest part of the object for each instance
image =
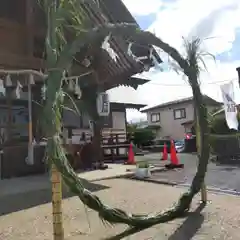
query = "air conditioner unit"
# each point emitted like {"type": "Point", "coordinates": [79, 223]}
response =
{"type": "Point", "coordinates": [103, 104]}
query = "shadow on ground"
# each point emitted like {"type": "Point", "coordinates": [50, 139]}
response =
{"type": "Point", "coordinates": [186, 231]}
{"type": "Point", "coordinates": [20, 201]}
{"type": "Point", "coordinates": [190, 226]}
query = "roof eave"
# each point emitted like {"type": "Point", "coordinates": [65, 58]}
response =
{"type": "Point", "coordinates": [134, 106]}
{"type": "Point", "coordinates": [180, 101]}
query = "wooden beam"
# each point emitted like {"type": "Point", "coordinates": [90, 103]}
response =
{"type": "Point", "coordinates": [16, 61]}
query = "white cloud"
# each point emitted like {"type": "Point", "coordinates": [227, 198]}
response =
{"type": "Point", "coordinates": [142, 7]}
{"type": "Point", "coordinates": [203, 18]}
{"type": "Point", "coordinates": [186, 18]}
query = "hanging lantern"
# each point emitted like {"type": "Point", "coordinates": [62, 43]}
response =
{"type": "Point", "coordinates": [103, 104]}
{"type": "Point", "coordinates": [31, 79]}
{"type": "Point", "coordinates": [71, 85]}
{"type": "Point", "coordinates": [8, 81]}
{"type": "Point", "coordinates": [78, 91]}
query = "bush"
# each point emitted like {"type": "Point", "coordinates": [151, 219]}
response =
{"type": "Point", "coordinates": [143, 136]}
{"type": "Point", "coordinates": [219, 126]}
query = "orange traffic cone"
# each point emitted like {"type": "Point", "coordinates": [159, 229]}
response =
{"type": "Point", "coordinates": [165, 153]}
{"type": "Point", "coordinates": [131, 159]}
{"type": "Point", "coordinates": [174, 159]}
{"type": "Point", "coordinates": [173, 154]}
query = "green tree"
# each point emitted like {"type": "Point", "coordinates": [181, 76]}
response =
{"type": "Point", "coordinates": [144, 135]}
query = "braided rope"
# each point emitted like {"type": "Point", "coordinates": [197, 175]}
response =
{"type": "Point", "coordinates": [106, 213]}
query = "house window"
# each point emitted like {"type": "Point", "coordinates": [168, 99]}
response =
{"type": "Point", "coordinates": [179, 113]}
{"type": "Point", "coordinates": [155, 117]}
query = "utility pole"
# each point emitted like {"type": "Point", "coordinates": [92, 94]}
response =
{"type": "Point", "coordinates": [198, 145]}
{"type": "Point", "coordinates": [198, 142]}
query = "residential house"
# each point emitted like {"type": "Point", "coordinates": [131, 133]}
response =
{"type": "Point", "coordinates": [174, 119]}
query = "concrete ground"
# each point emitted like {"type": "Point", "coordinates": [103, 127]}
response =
{"type": "Point", "coordinates": [225, 177]}
{"type": "Point", "coordinates": [42, 182]}
{"type": "Point", "coordinates": [219, 220]}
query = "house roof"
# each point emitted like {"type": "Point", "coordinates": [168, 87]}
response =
{"type": "Point", "coordinates": [128, 81]}
{"type": "Point", "coordinates": [114, 11]}
{"type": "Point", "coordinates": [117, 12]}
{"type": "Point", "coordinates": [133, 105]}
{"type": "Point", "coordinates": [188, 122]}
{"type": "Point", "coordinates": [207, 99]}
{"type": "Point", "coordinates": [109, 11]}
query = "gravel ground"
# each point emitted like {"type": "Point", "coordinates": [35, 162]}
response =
{"type": "Point", "coordinates": [225, 177]}
{"type": "Point", "coordinates": [219, 220]}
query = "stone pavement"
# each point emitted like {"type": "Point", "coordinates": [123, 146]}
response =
{"type": "Point", "coordinates": [219, 220]}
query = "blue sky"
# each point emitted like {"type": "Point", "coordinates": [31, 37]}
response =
{"type": "Point", "coordinates": [234, 53]}
{"type": "Point", "coordinates": [218, 22]}
{"type": "Point", "coordinates": [146, 21]}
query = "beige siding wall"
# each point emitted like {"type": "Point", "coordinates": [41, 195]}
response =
{"type": "Point", "coordinates": [171, 127]}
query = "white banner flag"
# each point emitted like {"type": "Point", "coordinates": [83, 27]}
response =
{"type": "Point", "coordinates": [229, 105]}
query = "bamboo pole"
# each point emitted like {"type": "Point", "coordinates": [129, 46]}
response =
{"type": "Point", "coordinates": [56, 178]}
{"type": "Point", "coordinates": [53, 84]}
{"type": "Point", "coordinates": [198, 142]}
